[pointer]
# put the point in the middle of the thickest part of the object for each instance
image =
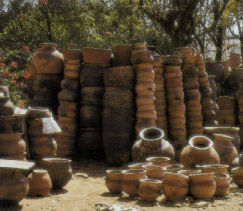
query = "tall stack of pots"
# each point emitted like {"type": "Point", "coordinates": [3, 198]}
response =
{"type": "Point", "coordinates": [143, 66]}
{"type": "Point", "coordinates": [69, 98]}
{"type": "Point", "coordinates": [214, 96]}
{"type": "Point", "coordinates": [227, 116]}
{"type": "Point", "coordinates": [175, 100]}
{"type": "Point", "coordinates": [47, 68]}
{"type": "Point", "coordinates": [96, 62]}
{"type": "Point", "coordinates": [118, 112]}
{"type": "Point", "coordinates": [40, 132]}
{"type": "Point", "coordinates": [12, 144]}
{"type": "Point", "coordinates": [208, 107]}
{"type": "Point", "coordinates": [239, 99]}
{"type": "Point", "coordinates": [194, 119]}
{"type": "Point", "coordinates": [160, 95]}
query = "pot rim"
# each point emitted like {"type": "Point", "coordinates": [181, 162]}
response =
{"type": "Point", "coordinates": [236, 168]}
{"type": "Point", "coordinates": [216, 166]}
{"type": "Point", "coordinates": [173, 166]}
{"type": "Point", "coordinates": [134, 171]}
{"type": "Point", "coordinates": [153, 181]}
{"type": "Point", "coordinates": [222, 176]}
{"type": "Point", "coordinates": [158, 159]}
{"type": "Point", "coordinates": [201, 174]}
{"type": "Point", "coordinates": [141, 134]}
{"type": "Point", "coordinates": [156, 168]}
{"type": "Point", "coordinates": [137, 165]}
{"type": "Point", "coordinates": [223, 136]}
{"type": "Point", "coordinates": [192, 139]}
{"type": "Point", "coordinates": [40, 171]}
{"type": "Point", "coordinates": [56, 159]}
{"type": "Point", "coordinates": [177, 175]}
{"type": "Point", "coordinates": [114, 171]}
{"type": "Point", "coordinates": [189, 171]}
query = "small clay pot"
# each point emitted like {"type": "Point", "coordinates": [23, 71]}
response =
{"type": "Point", "coordinates": [188, 172]}
{"type": "Point", "coordinates": [72, 69]}
{"type": "Point", "coordinates": [154, 172]}
{"type": "Point", "coordinates": [113, 181]}
{"type": "Point", "coordinates": [40, 183]}
{"type": "Point", "coordinates": [222, 184]}
{"type": "Point", "coordinates": [130, 181]}
{"type": "Point", "coordinates": [213, 168]}
{"type": "Point", "coordinates": [149, 189]}
{"type": "Point", "coordinates": [202, 186]}
{"type": "Point", "coordinates": [138, 166]}
{"type": "Point", "coordinates": [175, 186]}
{"type": "Point", "coordinates": [237, 174]}
{"type": "Point", "coordinates": [174, 168]}
{"type": "Point", "coordinates": [142, 57]}
{"type": "Point", "coordinates": [96, 56]}
{"type": "Point", "coordinates": [122, 54]}
{"type": "Point", "coordinates": [159, 161]}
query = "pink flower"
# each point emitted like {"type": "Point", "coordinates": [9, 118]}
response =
{"type": "Point", "coordinates": [26, 75]}
{"type": "Point", "coordinates": [42, 2]}
{"type": "Point", "coordinates": [25, 48]}
{"type": "Point", "coordinates": [2, 64]}
{"type": "Point", "coordinates": [14, 65]}
{"type": "Point", "coordinates": [107, 33]}
{"type": "Point", "coordinates": [5, 74]}
{"type": "Point", "coordinates": [14, 75]}
{"type": "Point", "coordinates": [20, 84]}
{"type": "Point", "coordinates": [14, 82]}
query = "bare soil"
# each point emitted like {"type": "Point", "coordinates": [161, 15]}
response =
{"type": "Point", "coordinates": [83, 193]}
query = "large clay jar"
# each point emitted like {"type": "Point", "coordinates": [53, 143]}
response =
{"type": "Point", "coordinates": [130, 181]}
{"type": "Point", "coordinates": [222, 184]}
{"type": "Point", "coordinates": [175, 186]}
{"type": "Point", "coordinates": [237, 174]}
{"type": "Point", "coordinates": [6, 106]}
{"type": "Point", "coordinates": [199, 151]}
{"type": "Point", "coordinates": [14, 186]}
{"type": "Point", "coordinates": [226, 150]}
{"type": "Point", "coordinates": [149, 189]}
{"type": "Point", "coordinates": [152, 144]}
{"type": "Point", "coordinates": [48, 59]}
{"type": "Point", "coordinates": [40, 183]}
{"type": "Point", "coordinates": [113, 181]}
{"type": "Point", "coordinates": [59, 170]}
{"type": "Point", "coordinates": [202, 185]}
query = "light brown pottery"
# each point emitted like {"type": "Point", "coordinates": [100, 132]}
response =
{"type": "Point", "coordinates": [237, 174]}
{"type": "Point", "coordinates": [113, 181]}
{"type": "Point", "coordinates": [96, 56]}
{"type": "Point", "coordinates": [149, 189]}
{"type": "Point", "coordinates": [159, 161]}
{"type": "Point", "coordinates": [213, 168]}
{"type": "Point", "coordinates": [154, 172]}
{"type": "Point", "coordinates": [174, 168]}
{"type": "Point", "coordinates": [222, 184]}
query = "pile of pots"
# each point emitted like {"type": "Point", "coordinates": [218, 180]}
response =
{"type": "Point", "coordinates": [96, 62]}
{"type": "Point", "coordinates": [40, 130]}
{"type": "Point", "coordinates": [47, 68]}
{"type": "Point", "coordinates": [175, 100]}
{"type": "Point", "coordinates": [143, 60]}
{"type": "Point", "coordinates": [12, 144]}
{"type": "Point", "coordinates": [118, 110]}
{"type": "Point", "coordinates": [160, 94]}
{"type": "Point", "coordinates": [227, 116]}
{"type": "Point", "coordinates": [215, 94]}
{"type": "Point", "coordinates": [239, 100]}
{"type": "Point", "coordinates": [69, 98]}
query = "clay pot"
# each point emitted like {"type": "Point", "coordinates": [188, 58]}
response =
{"type": "Point", "coordinates": [151, 144]}
{"type": "Point", "coordinates": [72, 53]}
{"type": "Point", "coordinates": [119, 77]}
{"type": "Point", "coordinates": [144, 72]}
{"type": "Point", "coordinates": [145, 100]}
{"type": "Point", "coordinates": [12, 124]}
{"type": "Point", "coordinates": [172, 60]}
{"type": "Point", "coordinates": [159, 161]}
{"type": "Point", "coordinates": [222, 184]}
{"type": "Point", "coordinates": [72, 110]}
{"type": "Point", "coordinates": [139, 166]}
{"type": "Point", "coordinates": [189, 172]}
{"type": "Point", "coordinates": [154, 172]}
{"type": "Point", "coordinates": [67, 124]}
{"type": "Point", "coordinates": [238, 161]}
{"type": "Point", "coordinates": [145, 88]}
{"type": "Point", "coordinates": [92, 95]}
{"type": "Point", "coordinates": [224, 147]}
{"type": "Point", "coordinates": [59, 170]}
{"type": "Point", "coordinates": [45, 82]}
{"type": "Point", "coordinates": [65, 145]}
{"type": "Point", "coordinates": [237, 174]}
{"type": "Point", "coordinates": [234, 59]}
{"type": "Point", "coordinates": [38, 112]}
{"type": "Point", "coordinates": [175, 186]}
{"type": "Point", "coordinates": [39, 183]}
{"type": "Point", "coordinates": [68, 95]}
{"type": "Point", "coordinates": [90, 116]}
{"type": "Point", "coordinates": [6, 106]}
{"type": "Point", "coordinates": [122, 54]}
{"type": "Point", "coordinates": [199, 151]}
{"type": "Point", "coordinates": [146, 114]}
{"type": "Point", "coordinates": [113, 181]}
{"type": "Point", "coordinates": [130, 181]}
{"type": "Point", "coordinates": [70, 84]}
{"type": "Point", "coordinates": [48, 59]}
{"type": "Point", "coordinates": [174, 168]}
{"type": "Point", "coordinates": [202, 186]}
{"type": "Point", "coordinates": [96, 56]}
{"type": "Point", "coordinates": [11, 146]}
{"type": "Point", "coordinates": [189, 58]}
{"type": "Point", "coordinates": [149, 189]}
{"type": "Point", "coordinates": [14, 185]}
{"type": "Point", "coordinates": [217, 69]}
{"type": "Point", "coordinates": [213, 168]}
{"type": "Point", "coordinates": [142, 57]}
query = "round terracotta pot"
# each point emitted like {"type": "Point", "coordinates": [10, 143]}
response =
{"type": "Point", "coordinates": [139, 166]}
{"type": "Point", "coordinates": [174, 82]}
{"type": "Point", "coordinates": [199, 151]}
{"type": "Point", "coordinates": [237, 174]}
{"type": "Point", "coordinates": [188, 172]}
{"type": "Point", "coordinates": [12, 124]}
{"type": "Point", "coordinates": [151, 143]}
{"type": "Point", "coordinates": [38, 112]}
{"type": "Point", "coordinates": [96, 56]}
{"type": "Point", "coordinates": [175, 186]}
{"type": "Point", "coordinates": [59, 170]}
{"type": "Point", "coordinates": [146, 114]}
{"type": "Point", "coordinates": [68, 95]}
{"type": "Point", "coordinates": [113, 181]}
{"type": "Point", "coordinates": [202, 186]}
{"type": "Point", "coordinates": [226, 102]}
{"type": "Point", "coordinates": [142, 56]}
{"type": "Point", "coordinates": [122, 54]}
{"type": "Point", "coordinates": [70, 84]}
{"type": "Point", "coordinates": [149, 189]}
{"type": "Point", "coordinates": [190, 84]}
{"type": "Point", "coordinates": [159, 161]}
{"type": "Point", "coordinates": [72, 110]}
{"type": "Point", "coordinates": [72, 69]}
{"type": "Point", "coordinates": [12, 147]}
{"type": "Point", "coordinates": [143, 86]}
{"type": "Point", "coordinates": [222, 184]}
{"type": "Point", "coordinates": [130, 181]}
{"type": "Point", "coordinates": [67, 124]}
{"type": "Point", "coordinates": [213, 168]}
{"type": "Point", "coordinates": [45, 82]}
{"type": "Point", "coordinates": [48, 59]}
{"type": "Point", "coordinates": [144, 72]}
{"type": "Point", "coordinates": [173, 168]}
{"type": "Point", "coordinates": [39, 183]}
{"type": "Point", "coordinates": [172, 60]}
{"type": "Point", "coordinates": [226, 150]}
{"type": "Point", "coordinates": [154, 172]}
{"type": "Point", "coordinates": [189, 58]}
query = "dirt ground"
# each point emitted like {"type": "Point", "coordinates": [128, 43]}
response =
{"type": "Point", "coordinates": [83, 193]}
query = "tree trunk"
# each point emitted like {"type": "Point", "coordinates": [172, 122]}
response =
{"type": "Point", "coordinates": [241, 46]}
{"type": "Point", "coordinates": [219, 43]}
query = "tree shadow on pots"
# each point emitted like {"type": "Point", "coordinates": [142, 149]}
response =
{"type": "Point", "coordinates": [143, 203]}
{"type": "Point", "coordinates": [58, 191]}
{"type": "Point", "coordinates": [108, 194]}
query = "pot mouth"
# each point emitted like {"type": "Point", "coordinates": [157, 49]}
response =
{"type": "Point", "coordinates": [40, 171]}
{"type": "Point", "coordinates": [223, 136]}
{"type": "Point", "coordinates": [158, 159]}
{"type": "Point", "coordinates": [202, 174]}
{"type": "Point", "coordinates": [200, 142]}
{"type": "Point", "coordinates": [57, 160]}
{"type": "Point", "coordinates": [152, 181]}
{"type": "Point", "coordinates": [134, 171]}
{"type": "Point", "coordinates": [173, 167]}
{"type": "Point", "coordinates": [187, 172]}
{"type": "Point", "coordinates": [152, 168]}
{"type": "Point", "coordinates": [151, 134]}
{"type": "Point", "coordinates": [177, 175]}
{"type": "Point", "coordinates": [215, 166]}
{"type": "Point", "coordinates": [137, 166]}
{"type": "Point", "coordinates": [113, 171]}
{"type": "Point", "coordinates": [222, 176]}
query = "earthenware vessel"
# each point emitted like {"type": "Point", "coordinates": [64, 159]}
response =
{"type": "Point", "coordinates": [238, 161]}
{"type": "Point", "coordinates": [237, 174]}
{"type": "Point", "coordinates": [173, 168]}
{"type": "Point", "coordinates": [113, 181]}
{"type": "Point", "coordinates": [213, 168]}
{"type": "Point", "coordinates": [154, 172]}
{"type": "Point", "coordinates": [159, 161]}
{"type": "Point", "coordinates": [222, 184]}
{"type": "Point", "coordinates": [96, 56]}
{"type": "Point", "coordinates": [149, 189]}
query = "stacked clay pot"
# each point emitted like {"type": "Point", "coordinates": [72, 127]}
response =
{"type": "Point", "coordinates": [145, 87]}
{"type": "Point", "coordinates": [47, 68]}
{"type": "Point", "coordinates": [194, 119]}
{"type": "Point", "coordinates": [12, 144]}
{"type": "Point", "coordinates": [234, 59]}
{"type": "Point", "coordinates": [118, 114]}
{"type": "Point", "coordinates": [96, 62]}
{"type": "Point", "coordinates": [41, 141]}
{"type": "Point", "coordinates": [227, 115]}
{"type": "Point", "coordinates": [69, 98]}
{"type": "Point", "coordinates": [213, 86]}
{"type": "Point", "coordinates": [208, 107]}
{"type": "Point", "coordinates": [175, 100]}
{"type": "Point", "coordinates": [239, 99]}
{"type": "Point", "coordinates": [122, 55]}
{"type": "Point", "coordinates": [160, 95]}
